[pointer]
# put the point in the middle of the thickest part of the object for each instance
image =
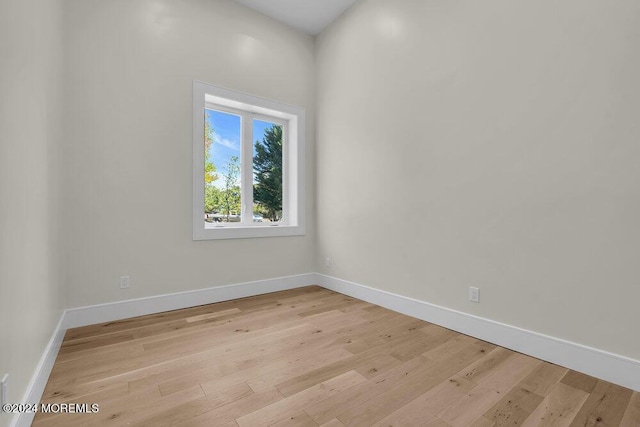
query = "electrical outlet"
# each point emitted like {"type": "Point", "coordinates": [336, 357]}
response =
{"type": "Point", "coordinates": [4, 389]}
{"type": "Point", "coordinates": [474, 294]}
{"type": "Point", "coordinates": [125, 282]}
{"type": "Point", "coordinates": [327, 262]}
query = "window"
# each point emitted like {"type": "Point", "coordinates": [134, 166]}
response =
{"type": "Point", "coordinates": [248, 157]}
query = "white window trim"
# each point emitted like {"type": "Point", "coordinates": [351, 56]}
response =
{"type": "Point", "coordinates": [209, 96]}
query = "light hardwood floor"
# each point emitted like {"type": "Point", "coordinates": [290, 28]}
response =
{"type": "Point", "coordinates": [310, 357]}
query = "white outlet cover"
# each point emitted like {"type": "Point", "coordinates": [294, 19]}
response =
{"type": "Point", "coordinates": [125, 282]}
{"type": "Point", "coordinates": [474, 294]}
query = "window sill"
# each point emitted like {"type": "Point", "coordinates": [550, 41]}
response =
{"type": "Point", "coordinates": [212, 232]}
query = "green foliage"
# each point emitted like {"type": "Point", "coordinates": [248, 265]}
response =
{"type": "Point", "coordinates": [231, 195]}
{"type": "Point", "coordinates": [267, 166]}
{"type": "Point", "coordinates": [210, 174]}
{"type": "Point", "coordinates": [267, 192]}
{"type": "Point", "coordinates": [226, 201]}
{"type": "Point", "coordinates": [212, 199]}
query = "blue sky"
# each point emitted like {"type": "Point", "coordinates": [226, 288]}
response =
{"type": "Point", "coordinates": [226, 138]}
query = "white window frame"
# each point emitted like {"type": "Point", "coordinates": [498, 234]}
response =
{"type": "Point", "coordinates": [249, 107]}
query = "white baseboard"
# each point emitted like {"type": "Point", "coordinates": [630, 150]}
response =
{"type": "Point", "coordinates": [40, 376]}
{"type": "Point", "coordinates": [83, 316]}
{"type": "Point", "coordinates": [611, 367]}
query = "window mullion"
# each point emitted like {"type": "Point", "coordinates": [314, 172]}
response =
{"type": "Point", "coordinates": [285, 173]}
{"type": "Point", "coordinates": [247, 168]}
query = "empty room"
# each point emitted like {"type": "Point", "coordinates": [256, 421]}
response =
{"type": "Point", "coordinates": [319, 213]}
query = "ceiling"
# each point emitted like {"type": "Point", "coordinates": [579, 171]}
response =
{"type": "Point", "coordinates": [309, 16]}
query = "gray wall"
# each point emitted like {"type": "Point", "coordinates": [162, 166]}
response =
{"type": "Point", "coordinates": [31, 96]}
{"type": "Point", "coordinates": [129, 150]}
{"type": "Point", "coordinates": [491, 144]}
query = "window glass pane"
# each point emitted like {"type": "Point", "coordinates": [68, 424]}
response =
{"type": "Point", "coordinates": [222, 136]}
{"type": "Point", "coordinates": [267, 171]}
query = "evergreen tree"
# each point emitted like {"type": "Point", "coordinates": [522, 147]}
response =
{"type": "Point", "coordinates": [267, 166]}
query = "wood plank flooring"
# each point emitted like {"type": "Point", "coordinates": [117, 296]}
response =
{"type": "Point", "coordinates": [313, 357]}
